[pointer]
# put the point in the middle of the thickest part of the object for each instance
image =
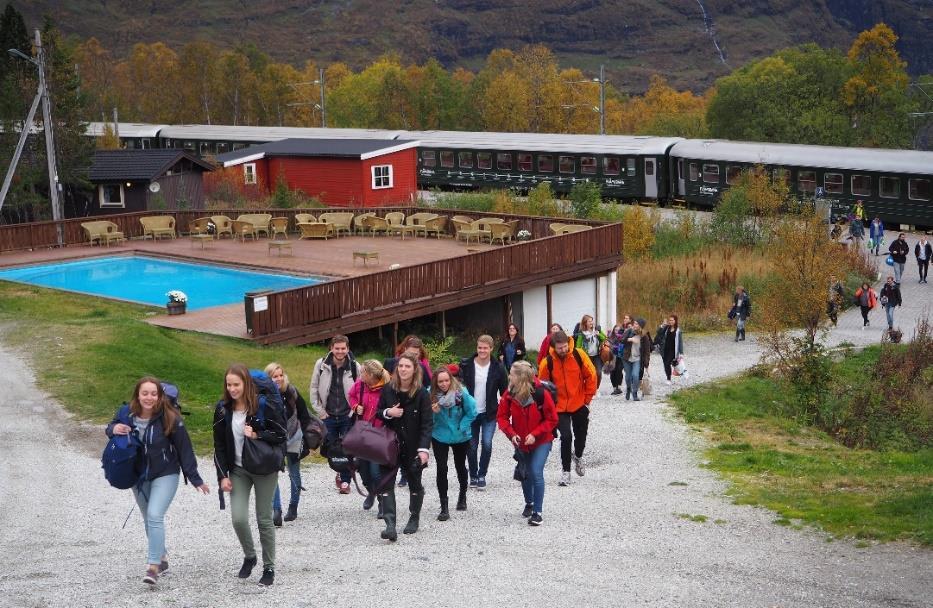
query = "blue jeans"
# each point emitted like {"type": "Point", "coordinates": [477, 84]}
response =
{"type": "Point", "coordinates": [533, 484]}
{"type": "Point", "coordinates": [369, 473]}
{"type": "Point", "coordinates": [632, 374]}
{"type": "Point", "coordinates": [484, 430]}
{"type": "Point", "coordinates": [154, 498]}
{"type": "Point", "coordinates": [898, 271]}
{"type": "Point", "coordinates": [294, 476]}
{"type": "Point", "coordinates": [889, 311]}
{"type": "Point", "coordinates": [337, 426]}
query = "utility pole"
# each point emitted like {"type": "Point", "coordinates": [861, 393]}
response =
{"type": "Point", "coordinates": [323, 107]}
{"type": "Point", "coordinates": [54, 184]}
{"type": "Point", "coordinates": [602, 99]}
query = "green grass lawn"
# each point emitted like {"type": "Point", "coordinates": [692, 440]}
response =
{"type": "Point", "coordinates": [803, 474]}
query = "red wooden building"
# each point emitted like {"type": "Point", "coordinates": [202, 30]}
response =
{"type": "Point", "coordinates": [340, 172]}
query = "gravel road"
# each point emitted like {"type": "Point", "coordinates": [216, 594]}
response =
{"type": "Point", "coordinates": [610, 539]}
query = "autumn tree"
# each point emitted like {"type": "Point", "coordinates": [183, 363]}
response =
{"type": "Point", "coordinates": [664, 111]}
{"type": "Point", "coordinates": [198, 65]}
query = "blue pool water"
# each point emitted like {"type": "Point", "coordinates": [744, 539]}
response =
{"type": "Point", "coordinates": [146, 280]}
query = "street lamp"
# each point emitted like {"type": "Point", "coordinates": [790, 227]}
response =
{"type": "Point", "coordinates": [22, 55]}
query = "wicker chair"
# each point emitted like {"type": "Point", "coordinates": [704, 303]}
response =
{"type": "Point", "coordinates": [242, 229]}
{"type": "Point", "coordinates": [359, 222]}
{"type": "Point", "coordinates": [396, 220]}
{"type": "Point", "coordinates": [314, 230]}
{"type": "Point", "coordinates": [376, 224]}
{"type": "Point", "coordinates": [279, 225]}
{"type": "Point", "coordinates": [304, 218]}
{"type": "Point", "coordinates": [222, 225]}
{"type": "Point", "coordinates": [556, 227]}
{"type": "Point", "coordinates": [500, 232]}
{"type": "Point", "coordinates": [199, 226]}
{"type": "Point", "coordinates": [435, 225]}
{"type": "Point", "coordinates": [462, 218]}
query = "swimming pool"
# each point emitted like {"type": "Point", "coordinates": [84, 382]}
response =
{"type": "Point", "coordinates": [146, 280]}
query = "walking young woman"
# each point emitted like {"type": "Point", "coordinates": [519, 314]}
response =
{"type": "Point", "coordinates": [672, 344]}
{"type": "Point", "coordinates": [631, 361]}
{"type": "Point", "coordinates": [363, 398]}
{"type": "Point", "coordinates": [296, 419]}
{"type": "Point", "coordinates": [405, 407]}
{"type": "Point", "coordinates": [166, 451]}
{"type": "Point", "coordinates": [237, 419]}
{"type": "Point", "coordinates": [617, 342]}
{"type": "Point", "coordinates": [546, 342]}
{"type": "Point", "coordinates": [866, 298]}
{"type": "Point", "coordinates": [590, 339]}
{"type": "Point", "coordinates": [528, 417]}
{"type": "Point", "coordinates": [454, 410]}
{"type": "Point", "coordinates": [512, 347]}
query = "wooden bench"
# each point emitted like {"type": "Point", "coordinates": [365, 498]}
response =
{"type": "Point", "coordinates": [365, 255]}
{"type": "Point", "coordinates": [280, 246]}
{"type": "Point", "coordinates": [158, 226]}
{"type": "Point", "coordinates": [102, 231]}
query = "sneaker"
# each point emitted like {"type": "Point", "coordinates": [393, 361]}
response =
{"type": "Point", "coordinates": [268, 577]}
{"type": "Point", "coordinates": [247, 568]}
{"type": "Point", "coordinates": [163, 566]}
{"type": "Point", "coordinates": [564, 478]}
{"type": "Point", "coordinates": [344, 488]}
{"type": "Point", "coordinates": [535, 519]}
{"type": "Point", "coordinates": [667, 382]}
{"type": "Point", "coordinates": [473, 482]}
{"type": "Point", "coordinates": [152, 576]}
{"type": "Point", "coordinates": [528, 511]}
{"type": "Point", "coordinates": [578, 465]}
{"type": "Point", "coordinates": [480, 483]}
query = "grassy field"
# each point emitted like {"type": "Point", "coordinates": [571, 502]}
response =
{"type": "Point", "coordinates": [803, 474]}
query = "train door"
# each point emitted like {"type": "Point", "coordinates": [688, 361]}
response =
{"type": "Point", "coordinates": [651, 180]}
{"type": "Point", "coordinates": [681, 187]}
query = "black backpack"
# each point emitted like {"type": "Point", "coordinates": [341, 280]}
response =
{"type": "Point", "coordinates": [538, 396]}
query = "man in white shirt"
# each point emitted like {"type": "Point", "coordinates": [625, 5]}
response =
{"type": "Point", "coordinates": [486, 380]}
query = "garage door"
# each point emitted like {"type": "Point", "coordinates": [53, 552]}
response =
{"type": "Point", "coordinates": [570, 301]}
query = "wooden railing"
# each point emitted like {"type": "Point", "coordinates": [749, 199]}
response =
{"type": "Point", "coordinates": [306, 314]}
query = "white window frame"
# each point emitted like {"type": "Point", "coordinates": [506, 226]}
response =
{"type": "Point", "coordinates": [381, 180]}
{"type": "Point", "coordinates": [103, 203]}
{"type": "Point", "coordinates": [249, 173]}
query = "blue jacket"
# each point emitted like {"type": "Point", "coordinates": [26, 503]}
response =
{"type": "Point", "coordinates": [875, 231]}
{"type": "Point", "coordinates": [452, 425]}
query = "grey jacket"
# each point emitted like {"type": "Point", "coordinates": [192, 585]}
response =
{"type": "Point", "coordinates": [321, 379]}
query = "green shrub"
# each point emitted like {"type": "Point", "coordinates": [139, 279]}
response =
{"type": "Point", "coordinates": [468, 201]}
{"type": "Point", "coordinates": [584, 198]}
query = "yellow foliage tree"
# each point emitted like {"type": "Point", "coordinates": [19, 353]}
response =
{"type": "Point", "coordinates": [637, 233]}
{"type": "Point", "coordinates": [108, 140]}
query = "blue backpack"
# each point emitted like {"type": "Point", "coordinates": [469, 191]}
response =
{"type": "Point", "coordinates": [268, 392]}
{"type": "Point", "coordinates": [119, 457]}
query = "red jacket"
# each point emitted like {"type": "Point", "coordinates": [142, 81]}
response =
{"type": "Point", "coordinates": [516, 419]}
{"type": "Point", "coordinates": [368, 396]}
{"type": "Point", "coordinates": [872, 297]}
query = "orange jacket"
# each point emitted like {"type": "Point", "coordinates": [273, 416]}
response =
{"type": "Point", "coordinates": [872, 297]}
{"type": "Point", "coordinates": [575, 387]}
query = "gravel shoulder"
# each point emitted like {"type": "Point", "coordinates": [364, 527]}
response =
{"type": "Point", "coordinates": [610, 539]}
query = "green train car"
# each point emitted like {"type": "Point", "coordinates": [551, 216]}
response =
{"type": "Point", "coordinates": [894, 185]}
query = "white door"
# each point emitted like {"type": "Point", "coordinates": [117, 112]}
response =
{"type": "Point", "coordinates": [571, 300]}
{"type": "Point", "coordinates": [651, 183]}
{"type": "Point", "coordinates": [681, 188]}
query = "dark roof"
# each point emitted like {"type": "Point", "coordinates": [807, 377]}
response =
{"type": "Point", "coordinates": [339, 148]}
{"type": "Point", "coordinates": [119, 165]}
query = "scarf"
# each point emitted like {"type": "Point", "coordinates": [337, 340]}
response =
{"type": "Point", "coordinates": [448, 400]}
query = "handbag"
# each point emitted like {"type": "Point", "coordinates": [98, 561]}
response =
{"type": "Point", "coordinates": [521, 466]}
{"type": "Point", "coordinates": [645, 386]}
{"type": "Point", "coordinates": [732, 312]}
{"type": "Point", "coordinates": [261, 457]}
{"type": "Point", "coordinates": [681, 368]}
{"type": "Point", "coordinates": [372, 443]}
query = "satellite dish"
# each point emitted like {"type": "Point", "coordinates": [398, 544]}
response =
{"type": "Point", "coordinates": [154, 187]}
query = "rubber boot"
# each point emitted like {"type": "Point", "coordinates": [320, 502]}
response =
{"type": "Point", "coordinates": [461, 500]}
{"type": "Point", "coordinates": [414, 510]}
{"type": "Point", "coordinates": [743, 336]}
{"type": "Point", "coordinates": [444, 514]}
{"type": "Point", "coordinates": [388, 514]}
{"type": "Point", "coordinates": [369, 500]}
{"type": "Point", "coordinates": [292, 513]}
{"type": "Point", "coordinates": [379, 514]}
{"type": "Point", "coordinates": [737, 333]}
{"type": "Point", "coordinates": [277, 518]}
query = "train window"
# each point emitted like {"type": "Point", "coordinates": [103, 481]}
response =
{"type": "Point", "coordinates": [221, 147]}
{"type": "Point", "coordinates": [504, 161]}
{"type": "Point", "coordinates": [130, 144]}
{"type": "Point", "coordinates": [611, 165]}
{"type": "Point", "coordinates": [466, 160]}
{"type": "Point", "coordinates": [861, 185]}
{"type": "Point", "coordinates": [205, 148]}
{"type": "Point", "coordinates": [249, 173]}
{"type": "Point", "coordinates": [711, 174]}
{"type": "Point", "coordinates": [189, 145]}
{"type": "Point", "coordinates": [525, 162]}
{"type": "Point", "coordinates": [588, 165]}
{"type": "Point", "coordinates": [833, 183]}
{"type": "Point", "coordinates": [236, 147]}
{"type": "Point", "coordinates": [483, 160]}
{"type": "Point", "coordinates": [447, 159]}
{"type": "Point", "coordinates": [545, 163]}
{"type": "Point", "coordinates": [649, 166]}
{"type": "Point", "coordinates": [565, 164]}
{"type": "Point", "coordinates": [918, 189]}
{"type": "Point", "coordinates": [630, 166]}
{"type": "Point", "coordinates": [428, 159]}
{"type": "Point", "coordinates": [806, 181]}
{"type": "Point", "coordinates": [890, 187]}
{"type": "Point", "coordinates": [144, 143]}
{"type": "Point", "coordinates": [733, 173]}
{"type": "Point", "coordinates": [694, 172]}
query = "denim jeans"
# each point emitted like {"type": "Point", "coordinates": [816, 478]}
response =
{"type": "Point", "coordinates": [482, 429]}
{"type": "Point", "coordinates": [294, 476]}
{"type": "Point", "coordinates": [369, 472]}
{"type": "Point", "coordinates": [533, 484]}
{"type": "Point", "coordinates": [632, 374]}
{"type": "Point", "coordinates": [889, 311]}
{"type": "Point", "coordinates": [338, 426]}
{"type": "Point", "coordinates": [154, 498]}
{"type": "Point", "coordinates": [898, 271]}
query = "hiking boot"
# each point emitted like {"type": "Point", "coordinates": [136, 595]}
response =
{"type": "Point", "coordinates": [444, 515]}
{"type": "Point", "coordinates": [578, 464]}
{"type": "Point", "coordinates": [292, 513]}
{"type": "Point", "coordinates": [480, 483]}
{"type": "Point", "coordinates": [344, 488]}
{"type": "Point", "coordinates": [369, 500]}
{"type": "Point", "coordinates": [528, 511]}
{"type": "Point", "coordinates": [277, 518]}
{"type": "Point", "coordinates": [461, 501]}
{"type": "Point", "coordinates": [535, 519]}
{"type": "Point", "coordinates": [414, 510]}
{"type": "Point", "coordinates": [247, 568]}
{"type": "Point", "coordinates": [388, 514]}
{"type": "Point", "coordinates": [617, 391]}
{"type": "Point", "coordinates": [268, 577]}
{"type": "Point", "coordinates": [152, 575]}
{"type": "Point", "coordinates": [564, 478]}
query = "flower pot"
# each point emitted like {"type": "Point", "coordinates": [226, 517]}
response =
{"type": "Point", "coordinates": [176, 308]}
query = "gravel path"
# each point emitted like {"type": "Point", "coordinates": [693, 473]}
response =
{"type": "Point", "coordinates": [610, 539]}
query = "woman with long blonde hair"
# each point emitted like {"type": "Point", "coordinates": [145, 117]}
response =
{"type": "Point", "coordinates": [297, 418]}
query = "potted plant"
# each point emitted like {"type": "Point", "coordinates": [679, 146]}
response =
{"type": "Point", "coordinates": [523, 235]}
{"type": "Point", "coordinates": [177, 302]}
